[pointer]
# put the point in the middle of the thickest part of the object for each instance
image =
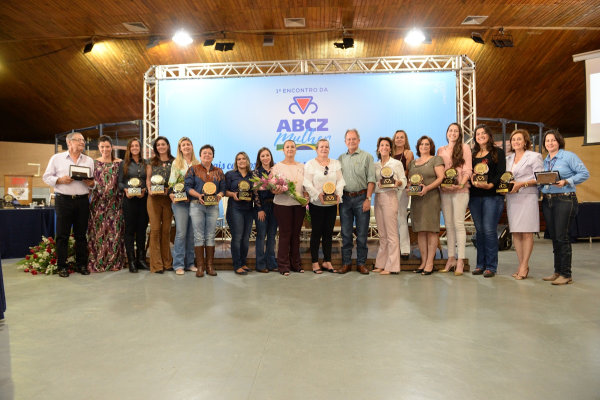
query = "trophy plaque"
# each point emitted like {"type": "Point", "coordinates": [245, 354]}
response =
{"type": "Point", "coordinates": [329, 196]}
{"type": "Point", "coordinates": [481, 170]}
{"type": "Point", "coordinates": [450, 178]}
{"type": "Point", "coordinates": [8, 201]}
{"type": "Point", "coordinates": [210, 198]}
{"type": "Point", "coordinates": [179, 192]}
{"type": "Point", "coordinates": [506, 185]}
{"type": "Point", "coordinates": [414, 188]}
{"type": "Point", "coordinates": [244, 191]}
{"type": "Point", "coordinates": [158, 184]}
{"type": "Point", "coordinates": [387, 178]}
{"type": "Point", "coordinates": [135, 187]}
{"type": "Point", "coordinates": [547, 177]}
{"type": "Point", "coordinates": [79, 173]}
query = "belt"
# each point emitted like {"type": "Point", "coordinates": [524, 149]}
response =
{"type": "Point", "coordinates": [549, 196]}
{"type": "Point", "coordinates": [354, 194]}
{"type": "Point", "coordinates": [195, 201]}
{"type": "Point", "coordinates": [268, 201]}
{"type": "Point", "coordinates": [72, 196]}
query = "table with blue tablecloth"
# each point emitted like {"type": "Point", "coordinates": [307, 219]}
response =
{"type": "Point", "coordinates": [22, 228]}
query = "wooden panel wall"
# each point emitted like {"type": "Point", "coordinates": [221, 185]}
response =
{"type": "Point", "coordinates": [16, 156]}
{"type": "Point", "coordinates": [590, 189]}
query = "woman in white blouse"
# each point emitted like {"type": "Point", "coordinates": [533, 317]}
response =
{"type": "Point", "coordinates": [288, 212]}
{"type": "Point", "coordinates": [386, 209]}
{"type": "Point", "coordinates": [317, 172]}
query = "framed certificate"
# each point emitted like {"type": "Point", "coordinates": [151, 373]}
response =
{"type": "Point", "coordinates": [547, 177]}
{"type": "Point", "coordinates": [80, 173]}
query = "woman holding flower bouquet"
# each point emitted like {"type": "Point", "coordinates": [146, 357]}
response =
{"type": "Point", "coordinates": [264, 217]}
{"type": "Point", "coordinates": [290, 208]}
{"type": "Point", "coordinates": [183, 251]}
{"type": "Point", "coordinates": [317, 172]}
{"type": "Point", "coordinates": [239, 211]}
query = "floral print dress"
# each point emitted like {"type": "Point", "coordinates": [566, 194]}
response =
{"type": "Point", "coordinates": [106, 226]}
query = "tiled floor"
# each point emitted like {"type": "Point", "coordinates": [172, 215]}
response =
{"type": "Point", "coordinates": [123, 336]}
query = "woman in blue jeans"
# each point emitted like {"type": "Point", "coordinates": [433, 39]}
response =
{"type": "Point", "coordinates": [204, 217]}
{"type": "Point", "coordinates": [183, 250]}
{"type": "Point", "coordinates": [239, 212]}
{"type": "Point", "coordinates": [264, 217]}
{"type": "Point", "coordinates": [559, 203]}
{"type": "Point", "coordinates": [484, 203]}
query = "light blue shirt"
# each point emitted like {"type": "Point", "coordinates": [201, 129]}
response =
{"type": "Point", "coordinates": [570, 167]}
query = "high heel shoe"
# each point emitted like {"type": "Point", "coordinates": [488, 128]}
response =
{"type": "Point", "coordinates": [428, 272]}
{"type": "Point", "coordinates": [450, 269]}
{"type": "Point", "coordinates": [521, 277]}
{"type": "Point", "coordinates": [418, 270]}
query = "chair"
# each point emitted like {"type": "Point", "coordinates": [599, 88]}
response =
{"type": "Point", "coordinates": [373, 231]}
{"type": "Point", "coordinates": [222, 227]}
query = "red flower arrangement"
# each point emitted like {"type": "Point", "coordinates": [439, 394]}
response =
{"type": "Point", "coordinates": [43, 257]}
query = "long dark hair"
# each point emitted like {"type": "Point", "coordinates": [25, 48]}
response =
{"type": "Point", "coordinates": [128, 155]}
{"type": "Point", "coordinates": [458, 159]}
{"type": "Point", "coordinates": [155, 160]}
{"type": "Point", "coordinates": [107, 139]}
{"type": "Point", "coordinates": [259, 163]}
{"type": "Point", "coordinates": [490, 145]}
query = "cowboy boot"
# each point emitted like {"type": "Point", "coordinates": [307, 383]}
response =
{"type": "Point", "coordinates": [210, 256]}
{"type": "Point", "coordinates": [141, 260]}
{"type": "Point", "coordinates": [199, 260]}
{"type": "Point", "coordinates": [131, 261]}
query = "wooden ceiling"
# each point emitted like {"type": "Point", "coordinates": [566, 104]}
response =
{"type": "Point", "coordinates": [47, 86]}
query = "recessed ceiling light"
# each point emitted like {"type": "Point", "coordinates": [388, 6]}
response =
{"type": "Point", "coordinates": [136, 27]}
{"type": "Point", "coordinates": [294, 22]}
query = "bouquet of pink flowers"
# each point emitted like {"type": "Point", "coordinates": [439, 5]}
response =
{"type": "Point", "coordinates": [277, 182]}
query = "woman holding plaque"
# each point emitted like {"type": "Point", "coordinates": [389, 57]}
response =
{"type": "Point", "coordinates": [158, 171]}
{"type": "Point", "coordinates": [522, 204]}
{"type": "Point", "coordinates": [324, 183]}
{"type": "Point", "coordinates": [455, 195]}
{"type": "Point", "coordinates": [559, 201]}
{"type": "Point", "coordinates": [485, 204]}
{"type": "Point", "coordinates": [106, 227]}
{"type": "Point", "coordinates": [132, 181]}
{"type": "Point", "coordinates": [264, 217]}
{"type": "Point", "coordinates": [288, 212]}
{"type": "Point", "coordinates": [183, 250]}
{"type": "Point", "coordinates": [390, 177]}
{"type": "Point", "coordinates": [425, 176]}
{"type": "Point", "coordinates": [239, 210]}
{"type": "Point", "coordinates": [403, 154]}
{"type": "Point", "coordinates": [205, 186]}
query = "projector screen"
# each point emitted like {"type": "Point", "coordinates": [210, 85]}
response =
{"type": "Point", "coordinates": [592, 78]}
{"type": "Point", "coordinates": [245, 114]}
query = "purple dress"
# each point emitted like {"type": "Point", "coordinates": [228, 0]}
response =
{"type": "Point", "coordinates": [106, 226]}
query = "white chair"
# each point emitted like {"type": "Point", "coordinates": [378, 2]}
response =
{"type": "Point", "coordinates": [222, 227]}
{"type": "Point", "coordinates": [373, 231]}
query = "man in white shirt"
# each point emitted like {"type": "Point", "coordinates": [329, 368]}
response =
{"type": "Point", "coordinates": [72, 202]}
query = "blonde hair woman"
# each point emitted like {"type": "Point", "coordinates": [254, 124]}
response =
{"type": "Point", "coordinates": [183, 250]}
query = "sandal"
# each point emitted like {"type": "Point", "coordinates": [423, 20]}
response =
{"type": "Point", "coordinates": [333, 271]}
{"type": "Point", "coordinates": [286, 273]}
{"type": "Point", "coordinates": [300, 271]}
{"type": "Point", "coordinates": [384, 272]}
{"type": "Point", "coordinates": [244, 272]}
{"type": "Point", "coordinates": [246, 269]}
{"type": "Point", "coordinates": [378, 270]}
{"type": "Point", "coordinates": [317, 271]}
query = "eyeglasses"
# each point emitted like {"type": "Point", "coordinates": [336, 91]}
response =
{"type": "Point", "coordinates": [78, 140]}
{"type": "Point", "coordinates": [326, 170]}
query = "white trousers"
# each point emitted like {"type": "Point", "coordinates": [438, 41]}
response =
{"type": "Point", "coordinates": [454, 207]}
{"type": "Point", "coordinates": [403, 222]}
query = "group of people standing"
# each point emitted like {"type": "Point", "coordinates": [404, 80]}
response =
{"type": "Point", "coordinates": [125, 198]}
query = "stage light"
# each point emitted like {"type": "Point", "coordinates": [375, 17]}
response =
{"type": "Point", "coordinates": [347, 43]}
{"type": "Point", "coordinates": [502, 39]}
{"type": "Point", "coordinates": [224, 46]}
{"type": "Point", "coordinates": [209, 42]}
{"type": "Point", "coordinates": [89, 45]}
{"type": "Point", "coordinates": [477, 38]}
{"type": "Point", "coordinates": [152, 42]}
{"type": "Point", "coordinates": [182, 38]}
{"type": "Point", "coordinates": [269, 40]}
{"type": "Point", "coordinates": [414, 37]}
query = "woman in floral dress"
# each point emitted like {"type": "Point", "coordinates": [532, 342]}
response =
{"type": "Point", "coordinates": [106, 227]}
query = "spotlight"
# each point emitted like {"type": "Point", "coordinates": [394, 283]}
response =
{"type": "Point", "coordinates": [209, 42]}
{"type": "Point", "coordinates": [502, 39]}
{"type": "Point", "coordinates": [182, 38]}
{"type": "Point", "coordinates": [477, 38]}
{"type": "Point", "coordinates": [153, 42]}
{"type": "Point", "coordinates": [347, 43]}
{"type": "Point", "coordinates": [414, 37]}
{"type": "Point", "coordinates": [89, 45]}
{"type": "Point", "coordinates": [224, 46]}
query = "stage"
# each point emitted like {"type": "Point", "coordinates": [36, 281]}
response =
{"type": "Point", "coordinates": [223, 256]}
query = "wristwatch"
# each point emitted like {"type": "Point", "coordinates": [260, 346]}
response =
{"type": "Point", "coordinates": [369, 198]}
